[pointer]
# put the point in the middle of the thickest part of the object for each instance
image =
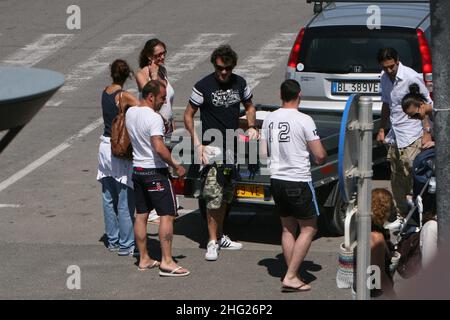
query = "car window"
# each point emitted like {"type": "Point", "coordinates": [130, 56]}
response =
{"type": "Point", "coordinates": [354, 49]}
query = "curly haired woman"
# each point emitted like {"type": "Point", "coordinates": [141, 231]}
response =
{"type": "Point", "coordinates": [380, 253]}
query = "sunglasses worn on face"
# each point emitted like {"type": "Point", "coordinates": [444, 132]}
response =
{"type": "Point", "coordinates": [159, 55]}
{"type": "Point", "coordinates": [415, 116]}
{"type": "Point", "coordinates": [221, 68]}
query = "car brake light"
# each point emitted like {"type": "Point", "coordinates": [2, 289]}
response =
{"type": "Point", "coordinates": [427, 67]}
{"type": "Point", "coordinates": [293, 57]}
{"type": "Point", "coordinates": [177, 185]}
{"type": "Point", "coordinates": [327, 169]}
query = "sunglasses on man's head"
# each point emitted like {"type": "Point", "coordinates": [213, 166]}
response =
{"type": "Point", "coordinates": [415, 116]}
{"type": "Point", "coordinates": [221, 68]}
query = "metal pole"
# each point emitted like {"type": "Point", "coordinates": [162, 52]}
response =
{"type": "Point", "coordinates": [364, 197]}
{"type": "Point", "coordinates": [440, 48]}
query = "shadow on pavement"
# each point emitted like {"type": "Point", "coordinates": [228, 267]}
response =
{"type": "Point", "coordinates": [276, 267]}
{"type": "Point", "coordinates": [248, 228]}
{"type": "Point", "coordinates": [255, 228]}
{"type": "Point", "coordinates": [153, 248]}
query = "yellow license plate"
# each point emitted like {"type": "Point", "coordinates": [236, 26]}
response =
{"type": "Point", "coordinates": [249, 191]}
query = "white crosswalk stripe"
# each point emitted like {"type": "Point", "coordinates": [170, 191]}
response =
{"type": "Point", "coordinates": [190, 55]}
{"type": "Point", "coordinates": [100, 60]}
{"type": "Point", "coordinates": [262, 64]}
{"type": "Point", "coordinates": [49, 155]}
{"type": "Point", "coordinates": [37, 51]}
{"type": "Point", "coordinates": [193, 53]}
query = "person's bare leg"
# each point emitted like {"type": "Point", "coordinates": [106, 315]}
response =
{"type": "Point", "coordinates": [166, 238]}
{"type": "Point", "coordinates": [140, 235]}
{"type": "Point", "coordinates": [301, 247]}
{"type": "Point", "coordinates": [289, 225]}
{"type": "Point", "coordinates": [215, 221]}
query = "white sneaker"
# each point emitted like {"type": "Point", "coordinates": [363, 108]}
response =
{"type": "Point", "coordinates": [226, 243]}
{"type": "Point", "coordinates": [152, 216]}
{"type": "Point", "coordinates": [212, 251]}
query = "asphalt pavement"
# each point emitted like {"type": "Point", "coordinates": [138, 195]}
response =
{"type": "Point", "coordinates": [51, 219]}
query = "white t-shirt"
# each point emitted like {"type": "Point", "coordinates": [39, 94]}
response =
{"type": "Point", "coordinates": [166, 110]}
{"type": "Point", "coordinates": [404, 130]}
{"type": "Point", "coordinates": [143, 123]}
{"type": "Point", "coordinates": [287, 132]}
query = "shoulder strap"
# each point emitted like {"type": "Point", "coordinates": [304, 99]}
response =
{"type": "Point", "coordinates": [120, 105]}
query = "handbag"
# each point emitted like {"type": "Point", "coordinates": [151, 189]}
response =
{"type": "Point", "coordinates": [411, 257]}
{"type": "Point", "coordinates": [120, 140]}
{"type": "Point", "coordinates": [346, 264]}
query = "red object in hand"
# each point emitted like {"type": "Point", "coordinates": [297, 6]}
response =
{"type": "Point", "coordinates": [244, 138]}
{"type": "Point", "coordinates": [177, 185]}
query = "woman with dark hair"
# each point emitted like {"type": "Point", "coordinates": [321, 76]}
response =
{"type": "Point", "coordinates": [151, 62]}
{"type": "Point", "coordinates": [113, 173]}
{"type": "Point", "coordinates": [415, 105]}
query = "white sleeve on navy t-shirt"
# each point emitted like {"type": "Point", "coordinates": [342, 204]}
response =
{"type": "Point", "coordinates": [196, 98]}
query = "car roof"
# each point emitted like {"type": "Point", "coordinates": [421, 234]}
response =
{"type": "Point", "coordinates": [355, 14]}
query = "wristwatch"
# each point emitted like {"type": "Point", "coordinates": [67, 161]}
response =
{"type": "Point", "coordinates": [427, 129]}
{"type": "Point", "coordinates": [253, 127]}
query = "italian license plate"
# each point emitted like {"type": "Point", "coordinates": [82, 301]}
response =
{"type": "Point", "coordinates": [349, 87]}
{"type": "Point", "coordinates": [249, 191]}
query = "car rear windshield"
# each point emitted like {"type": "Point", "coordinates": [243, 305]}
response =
{"type": "Point", "coordinates": [347, 49]}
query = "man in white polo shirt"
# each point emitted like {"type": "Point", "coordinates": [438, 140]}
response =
{"type": "Point", "coordinates": [152, 187]}
{"type": "Point", "coordinates": [406, 136]}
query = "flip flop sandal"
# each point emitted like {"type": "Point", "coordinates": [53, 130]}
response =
{"type": "Point", "coordinates": [150, 266]}
{"type": "Point", "coordinates": [173, 273]}
{"type": "Point", "coordinates": [300, 288]}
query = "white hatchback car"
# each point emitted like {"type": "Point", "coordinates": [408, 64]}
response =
{"type": "Point", "coordinates": [335, 54]}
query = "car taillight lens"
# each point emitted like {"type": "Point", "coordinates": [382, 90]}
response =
{"type": "Point", "coordinates": [427, 67]}
{"type": "Point", "coordinates": [177, 185]}
{"type": "Point", "coordinates": [293, 57]}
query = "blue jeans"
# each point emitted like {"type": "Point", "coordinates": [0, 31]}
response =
{"type": "Point", "coordinates": [118, 209]}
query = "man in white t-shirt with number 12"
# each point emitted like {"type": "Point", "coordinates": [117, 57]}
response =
{"type": "Point", "coordinates": [288, 137]}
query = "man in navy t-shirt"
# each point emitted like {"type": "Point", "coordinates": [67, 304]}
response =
{"type": "Point", "coordinates": [218, 97]}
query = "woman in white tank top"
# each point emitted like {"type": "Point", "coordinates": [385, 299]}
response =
{"type": "Point", "coordinates": [151, 62]}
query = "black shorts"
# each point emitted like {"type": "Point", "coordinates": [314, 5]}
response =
{"type": "Point", "coordinates": [153, 190]}
{"type": "Point", "coordinates": [294, 199]}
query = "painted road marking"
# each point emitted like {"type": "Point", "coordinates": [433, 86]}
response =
{"type": "Point", "coordinates": [99, 61]}
{"type": "Point", "coordinates": [4, 205]}
{"type": "Point", "coordinates": [37, 51]}
{"type": "Point", "coordinates": [191, 54]}
{"type": "Point", "coordinates": [261, 65]}
{"type": "Point", "coordinates": [49, 155]}
{"type": "Point", "coordinates": [197, 51]}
